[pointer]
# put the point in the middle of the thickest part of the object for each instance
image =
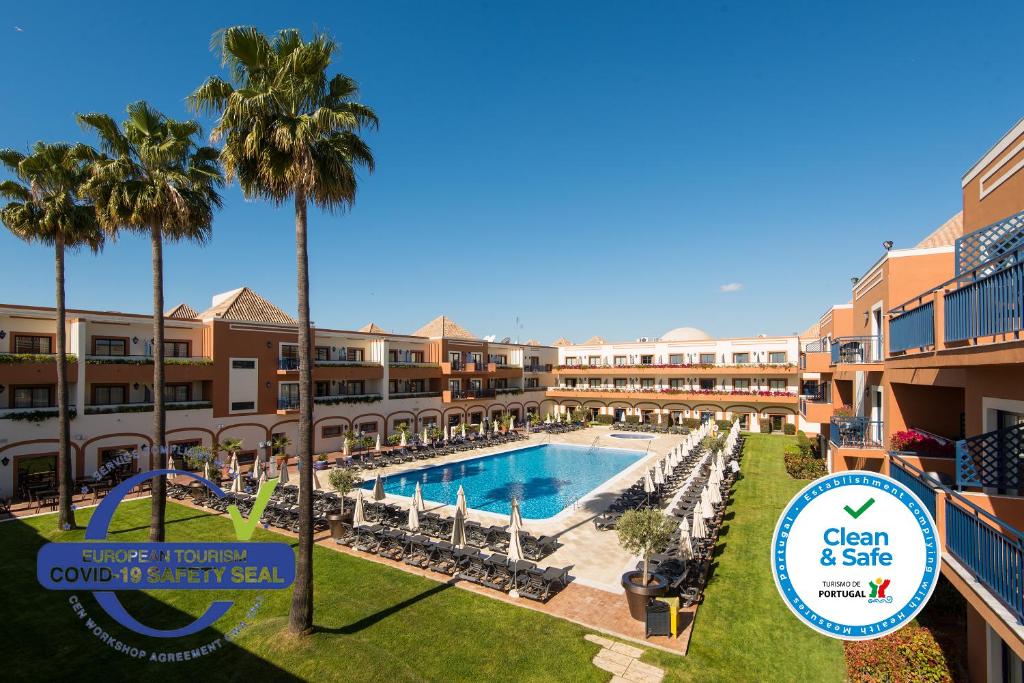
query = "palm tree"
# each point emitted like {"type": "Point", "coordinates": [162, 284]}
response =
{"type": "Point", "coordinates": [159, 182]}
{"type": "Point", "coordinates": [232, 447]}
{"type": "Point", "coordinates": [45, 205]}
{"type": "Point", "coordinates": [290, 132]}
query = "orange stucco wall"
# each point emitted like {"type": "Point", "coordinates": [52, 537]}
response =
{"type": "Point", "coordinates": [1006, 199]}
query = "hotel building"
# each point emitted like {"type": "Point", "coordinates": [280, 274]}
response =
{"type": "Point", "coordinates": [920, 376]}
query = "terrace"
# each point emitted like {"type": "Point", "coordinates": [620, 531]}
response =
{"type": "Point", "coordinates": [978, 309]}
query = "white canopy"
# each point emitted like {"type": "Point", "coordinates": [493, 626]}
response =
{"type": "Point", "coordinates": [459, 529]}
{"type": "Point", "coordinates": [378, 489]}
{"type": "Point", "coordinates": [460, 503]}
{"type": "Point", "coordinates": [283, 476]}
{"type": "Point", "coordinates": [357, 518]}
{"type": "Point", "coordinates": [417, 497]}
{"type": "Point", "coordinates": [414, 518]}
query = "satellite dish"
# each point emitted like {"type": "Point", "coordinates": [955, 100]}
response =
{"type": "Point", "coordinates": [505, 340]}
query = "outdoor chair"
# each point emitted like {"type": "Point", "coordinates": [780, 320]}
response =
{"type": "Point", "coordinates": [499, 575]}
{"type": "Point", "coordinates": [540, 586]}
{"type": "Point", "coordinates": [442, 560]}
{"type": "Point", "coordinates": [369, 538]}
{"type": "Point", "coordinates": [539, 548]}
{"type": "Point", "coordinates": [418, 552]}
{"type": "Point", "coordinates": [472, 566]}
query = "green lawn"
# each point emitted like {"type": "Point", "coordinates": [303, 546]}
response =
{"type": "Point", "coordinates": [379, 624]}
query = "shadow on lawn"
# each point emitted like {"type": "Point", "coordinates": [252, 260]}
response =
{"type": "Point", "coordinates": [371, 619]}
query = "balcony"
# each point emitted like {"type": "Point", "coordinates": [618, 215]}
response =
{"type": "Point", "coordinates": [414, 394]}
{"type": "Point", "coordinates": [33, 413]}
{"type": "Point", "coordinates": [652, 369]}
{"type": "Point", "coordinates": [982, 550]}
{"type": "Point", "coordinates": [856, 432]}
{"type": "Point", "coordinates": [992, 460]}
{"type": "Point", "coordinates": [336, 399]}
{"type": "Point", "coordinates": [34, 368]}
{"type": "Point", "coordinates": [450, 395]}
{"type": "Point", "coordinates": [981, 305]}
{"type": "Point", "coordinates": [288, 364]}
{"type": "Point", "coordinates": [816, 408]}
{"type": "Point", "coordinates": [668, 394]}
{"type": "Point", "coordinates": [857, 350]}
{"type": "Point", "coordinates": [144, 407]}
{"type": "Point", "coordinates": [538, 367]}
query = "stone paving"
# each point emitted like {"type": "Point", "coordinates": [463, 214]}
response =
{"type": "Point", "coordinates": [623, 662]}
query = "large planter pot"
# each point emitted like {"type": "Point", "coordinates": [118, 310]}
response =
{"type": "Point", "coordinates": [335, 523]}
{"type": "Point", "coordinates": [319, 465]}
{"type": "Point", "coordinates": [637, 594]}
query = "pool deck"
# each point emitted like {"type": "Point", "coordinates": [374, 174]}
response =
{"type": "Point", "coordinates": [594, 598]}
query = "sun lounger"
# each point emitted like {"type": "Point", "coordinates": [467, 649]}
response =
{"type": "Point", "coordinates": [541, 585]}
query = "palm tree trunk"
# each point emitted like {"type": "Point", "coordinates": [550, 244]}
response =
{"type": "Point", "coordinates": [66, 514]}
{"type": "Point", "coordinates": [300, 617]}
{"type": "Point", "coordinates": [158, 452]}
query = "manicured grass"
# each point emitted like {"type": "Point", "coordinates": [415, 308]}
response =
{"type": "Point", "coordinates": [380, 624]}
{"type": "Point", "coordinates": [744, 632]}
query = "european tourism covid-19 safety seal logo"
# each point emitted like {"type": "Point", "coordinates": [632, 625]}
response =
{"type": "Point", "coordinates": [105, 567]}
{"type": "Point", "coordinates": [855, 555]}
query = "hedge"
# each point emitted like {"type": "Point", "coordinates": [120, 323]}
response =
{"type": "Point", "coordinates": [789, 429]}
{"type": "Point", "coordinates": [606, 419]}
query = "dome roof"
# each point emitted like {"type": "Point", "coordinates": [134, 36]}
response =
{"type": "Point", "coordinates": [685, 334]}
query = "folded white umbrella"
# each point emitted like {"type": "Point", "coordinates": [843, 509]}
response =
{"type": "Point", "coordinates": [263, 476]}
{"type": "Point", "coordinates": [685, 545]}
{"type": "Point", "coordinates": [377, 447]}
{"type": "Point", "coordinates": [403, 442]}
{"type": "Point", "coordinates": [548, 421]}
{"type": "Point", "coordinates": [424, 437]}
{"type": "Point", "coordinates": [378, 489]}
{"type": "Point", "coordinates": [315, 476]}
{"type": "Point", "coordinates": [699, 528]}
{"type": "Point", "coordinates": [346, 448]}
{"type": "Point", "coordinates": [659, 477]}
{"type": "Point", "coordinates": [483, 430]}
{"type": "Point", "coordinates": [715, 494]}
{"type": "Point", "coordinates": [496, 427]}
{"type": "Point", "coordinates": [357, 518]}
{"type": "Point", "coordinates": [735, 466]}
{"type": "Point", "coordinates": [414, 518]}
{"type": "Point", "coordinates": [515, 554]}
{"type": "Point", "coordinates": [648, 482]}
{"type": "Point", "coordinates": [236, 483]}
{"type": "Point", "coordinates": [515, 517]}
{"type": "Point", "coordinates": [460, 501]}
{"type": "Point", "coordinates": [283, 476]}
{"type": "Point", "coordinates": [417, 497]}
{"type": "Point", "coordinates": [170, 462]}
{"type": "Point", "coordinates": [705, 498]}
{"type": "Point", "coordinates": [511, 422]}
{"type": "Point", "coordinates": [459, 529]}
{"type": "Point", "coordinates": [684, 527]}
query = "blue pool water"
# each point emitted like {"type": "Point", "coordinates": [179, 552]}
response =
{"type": "Point", "coordinates": [636, 437]}
{"type": "Point", "coordinates": [545, 479]}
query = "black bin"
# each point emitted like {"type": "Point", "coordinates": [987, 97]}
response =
{"type": "Point", "coordinates": [658, 621]}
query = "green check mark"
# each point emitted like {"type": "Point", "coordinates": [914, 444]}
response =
{"type": "Point", "coordinates": [859, 511]}
{"type": "Point", "coordinates": [244, 528]}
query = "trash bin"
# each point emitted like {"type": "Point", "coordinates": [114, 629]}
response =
{"type": "Point", "coordinates": [673, 610]}
{"type": "Point", "coordinates": [658, 620]}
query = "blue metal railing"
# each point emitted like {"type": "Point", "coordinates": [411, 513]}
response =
{"type": "Point", "coordinates": [991, 304]}
{"type": "Point", "coordinates": [913, 329]}
{"type": "Point", "coordinates": [913, 479]}
{"type": "Point", "coordinates": [820, 346]}
{"type": "Point", "coordinates": [993, 556]}
{"type": "Point", "coordinates": [287, 402]}
{"type": "Point", "coordinates": [985, 245]}
{"type": "Point", "coordinates": [857, 349]}
{"type": "Point", "coordinates": [287, 363]}
{"type": "Point", "coordinates": [856, 432]}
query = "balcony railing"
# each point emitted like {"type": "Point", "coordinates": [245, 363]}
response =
{"type": "Point", "coordinates": [857, 350]}
{"type": "Point", "coordinates": [288, 403]}
{"type": "Point", "coordinates": [144, 406]}
{"type": "Point", "coordinates": [989, 244]}
{"type": "Point", "coordinates": [539, 367]}
{"type": "Point", "coordinates": [146, 359]}
{"type": "Point", "coordinates": [987, 305]}
{"type": "Point", "coordinates": [463, 394]}
{"type": "Point", "coordinates": [993, 459]}
{"type": "Point", "coordinates": [914, 329]}
{"type": "Point", "coordinates": [413, 394]}
{"type": "Point", "coordinates": [987, 547]}
{"type": "Point", "coordinates": [856, 432]}
{"type": "Point", "coordinates": [287, 363]}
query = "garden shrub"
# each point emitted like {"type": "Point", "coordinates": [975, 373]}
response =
{"type": "Point", "coordinates": [789, 429]}
{"type": "Point", "coordinates": [766, 427]}
{"type": "Point", "coordinates": [921, 444]}
{"type": "Point", "coordinates": [606, 419]}
{"type": "Point", "coordinates": [691, 422]}
{"type": "Point", "coordinates": [910, 654]}
{"type": "Point", "coordinates": [800, 466]}
{"type": "Point", "coordinates": [724, 425]}
{"type": "Point", "coordinates": [632, 419]}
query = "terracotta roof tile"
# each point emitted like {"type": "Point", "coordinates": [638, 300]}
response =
{"type": "Point", "coordinates": [561, 341]}
{"type": "Point", "coordinates": [182, 312]}
{"type": "Point", "coordinates": [372, 328]}
{"type": "Point", "coordinates": [245, 304]}
{"type": "Point", "coordinates": [595, 340]}
{"type": "Point", "coordinates": [946, 234]}
{"type": "Point", "coordinates": [443, 327]}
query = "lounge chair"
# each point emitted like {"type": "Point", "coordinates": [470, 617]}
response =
{"type": "Point", "coordinates": [418, 551]}
{"type": "Point", "coordinates": [499, 574]}
{"type": "Point", "coordinates": [539, 548]}
{"type": "Point", "coordinates": [541, 585]}
{"type": "Point", "coordinates": [442, 559]}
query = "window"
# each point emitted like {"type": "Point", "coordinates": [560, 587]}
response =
{"type": "Point", "coordinates": [331, 431]}
{"type": "Point", "coordinates": [476, 358]}
{"type": "Point", "coordinates": [532, 382]}
{"type": "Point", "coordinates": [777, 384]}
{"type": "Point", "coordinates": [179, 449]}
{"type": "Point", "coordinates": [740, 358]}
{"type": "Point", "coordinates": [534, 361]}
{"type": "Point", "coordinates": [570, 381]}
{"type": "Point", "coordinates": [32, 397]}
{"type": "Point", "coordinates": [127, 464]}
{"type": "Point", "coordinates": [454, 385]}
{"type": "Point", "coordinates": [355, 387]}
{"type": "Point", "coordinates": [777, 357]}
{"type": "Point", "coordinates": [647, 360]}
{"type": "Point", "coordinates": [475, 385]}
{"type": "Point", "coordinates": [595, 382]}
{"type": "Point", "coordinates": [322, 353]}
{"type": "Point", "coordinates": [106, 346]}
{"type": "Point", "coordinates": [500, 359]}
{"type": "Point", "coordinates": [619, 360]}
{"type": "Point", "coordinates": [415, 356]}
{"type": "Point", "coordinates": [707, 359]}
{"type": "Point", "coordinates": [647, 383]}
{"type": "Point", "coordinates": [741, 385]}
{"type": "Point", "coordinates": [177, 393]}
{"type": "Point", "coordinates": [368, 427]}
{"type": "Point", "coordinates": [393, 386]}
{"type": "Point", "coordinates": [499, 383]}
{"type": "Point", "coordinates": [243, 405]}
{"type": "Point", "coordinates": [676, 359]}
{"type": "Point", "coordinates": [707, 384]}
{"type": "Point", "coordinates": [676, 384]}
{"type": "Point", "coordinates": [243, 365]}
{"type": "Point", "coordinates": [476, 418]}
{"type": "Point", "coordinates": [778, 422]}
{"type": "Point", "coordinates": [354, 355]}
{"type": "Point", "coordinates": [322, 389]}
{"type": "Point", "coordinates": [594, 360]}
{"type": "Point", "coordinates": [109, 394]}
{"type": "Point", "coordinates": [619, 382]}
{"type": "Point", "coordinates": [570, 360]}
{"type": "Point", "coordinates": [417, 385]}
{"type": "Point", "coordinates": [396, 425]}
{"type": "Point", "coordinates": [177, 349]}
{"type": "Point", "coordinates": [24, 343]}
{"type": "Point", "coordinates": [428, 421]}
{"type": "Point", "coordinates": [453, 420]}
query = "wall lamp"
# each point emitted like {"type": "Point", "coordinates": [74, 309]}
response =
{"type": "Point", "coordinates": [887, 244]}
{"type": "Point", "coordinates": [854, 280]}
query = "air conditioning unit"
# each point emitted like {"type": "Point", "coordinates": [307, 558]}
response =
{"type": "Point", "coordinates": [642, 340]}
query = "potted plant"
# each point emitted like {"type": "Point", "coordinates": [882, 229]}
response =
{"type": "Point", "coordinates": [643, 533]}
{"type": "Point", "coordinates": [232, 447]}
{"type": "Point", "coordinates": [321, 462]}
{"type": "Point", "coordinates": [342, 481]}
{"type": "Point", "coordinates": [280, 445]}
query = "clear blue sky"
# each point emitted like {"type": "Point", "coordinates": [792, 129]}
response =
{"type": "Point", "coordinates": [593, 168]}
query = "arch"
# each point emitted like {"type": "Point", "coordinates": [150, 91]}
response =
{"type": "Point", "coordinates": [751, 409]}
{"type": "Point", "coordinates": [266, 432]}
{"type": "Point", "coordinates": [190, 429]}
{"type": "Point", "coordinates": [508, 406]}
{"type": "Point", "coordinates": [355, 421]}
{"type": "Point", "coordinates": [601, 404]}
{"type": "Point", "coordinates": [499, 406]}
{"type": "Point", "coordinates": [147, 439]}
{"type": "Point", "coordinates": [707, 406]}
{"type": "Point", "coordinates": [777, 410]}
{"type": "Point", "coordinates": [531, 404]}
{"type": "Point", "coordinates": [331, 417]}
{"type": "Point", "coordinates": [79, 454]}
{"type": "Point", "coordinates": [411, 422]}
{"type": "Point", "coordinates": [270, 429]}
{"type": "Point", "coordinates": [677, 406]}
{"type": "Point", "coordinates": [437, 413]}
{"type": "Point", "coordinates": [648, 405]}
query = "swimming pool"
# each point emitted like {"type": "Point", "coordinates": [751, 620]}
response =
{"type": "Point", "coordinates": [635, 437]}
{"type": "Point", "coordinates": [545, 479]}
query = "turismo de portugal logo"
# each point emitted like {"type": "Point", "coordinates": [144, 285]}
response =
{"type": "Point", "coordinates": [855, 555]}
